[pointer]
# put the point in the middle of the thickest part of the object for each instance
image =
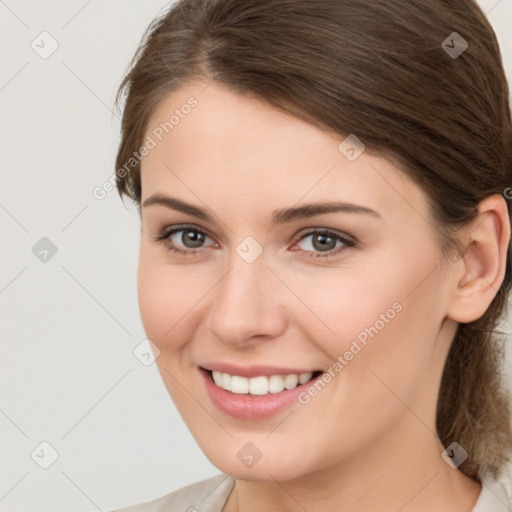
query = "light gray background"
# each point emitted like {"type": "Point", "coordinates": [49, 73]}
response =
{"type": "Point", "coordinates": [69, 325]}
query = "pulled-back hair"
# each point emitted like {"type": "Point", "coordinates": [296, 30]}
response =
{"type": "Point", "coordinates": [399, 76]}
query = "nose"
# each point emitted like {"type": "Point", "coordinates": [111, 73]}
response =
{"type": "Point", "coordinates": [247, 305]}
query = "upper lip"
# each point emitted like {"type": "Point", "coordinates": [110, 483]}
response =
{"type": "Point", "coordinates": [253, 370]}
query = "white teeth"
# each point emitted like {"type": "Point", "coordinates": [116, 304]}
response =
{"type": "Point", "coordinates": [275, 384]}
{"type": "Point", "coordinates": [259, 385]}
{"type": "Point", "coordinates": [304, 377]}
{"type": "Point", "coordinates": [239, 385]}
{"type": "Point", "coordinates": [291, 381]}
{"type": "Point", "coordinates": [226, 381]}
{"type": "Point", "coordinates": [217, 377]}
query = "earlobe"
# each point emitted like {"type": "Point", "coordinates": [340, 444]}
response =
{"type": "Point", "coordinates": [483, 263]}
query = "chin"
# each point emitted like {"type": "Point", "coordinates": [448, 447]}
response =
{"type": "Point", "coordinates": [246, 460]}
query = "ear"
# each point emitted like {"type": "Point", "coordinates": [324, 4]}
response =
{"type": "Point", "coordinates": [481, 269]}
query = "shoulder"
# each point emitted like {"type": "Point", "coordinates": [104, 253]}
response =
{"type": "Point", "coordinates": [496, 495]}
{"type": "Point", "coordinates": [207, 495]}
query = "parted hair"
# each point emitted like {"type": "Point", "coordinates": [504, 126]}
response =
{"type": "Point", "coordinates": [399, 76]}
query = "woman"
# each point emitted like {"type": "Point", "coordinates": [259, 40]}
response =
{"type": "Point", "coordinates": [325, 249]}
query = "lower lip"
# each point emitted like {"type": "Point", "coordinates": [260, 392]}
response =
{"type": "Point", "coordinates": [252, 407]}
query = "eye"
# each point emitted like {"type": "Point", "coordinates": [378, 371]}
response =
{"type": "Point", "coordinates": [190, 238]}
{"type": "Point", "coordinates": [325, 241]}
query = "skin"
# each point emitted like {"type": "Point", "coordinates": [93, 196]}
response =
{"type": "Point", "coordinates": [367, 441]}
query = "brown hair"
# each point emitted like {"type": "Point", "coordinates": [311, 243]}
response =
{"type": "Point", "coordinates": [383, 70]}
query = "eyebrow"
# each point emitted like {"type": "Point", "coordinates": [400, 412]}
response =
{"type": "Point", "coordinates": [278, 216]}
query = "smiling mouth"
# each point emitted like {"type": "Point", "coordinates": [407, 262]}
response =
{"type": "Point", "coordinates": [260, 385]}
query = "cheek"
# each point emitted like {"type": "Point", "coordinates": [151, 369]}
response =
{"type": "Point", "coordinates": [381, 323]}
{"type": "Point", "coordinates": [165, 295]}
{"type": "Point", "coordinates": [384, 335]}
{"type": "Point", "coordinates": [341, 305]}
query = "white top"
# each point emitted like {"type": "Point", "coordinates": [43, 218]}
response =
{"type": "Point", "coordinates": [210, 495]}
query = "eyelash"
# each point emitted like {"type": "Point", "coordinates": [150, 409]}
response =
{"type": "Point", "coordinates": [165, 234]}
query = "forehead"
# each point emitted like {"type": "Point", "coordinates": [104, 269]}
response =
{"type": "Point", "coordinates": [234, 151]}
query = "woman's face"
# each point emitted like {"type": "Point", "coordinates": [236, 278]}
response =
{"type": "Point", "coordinates": [265, 285]}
